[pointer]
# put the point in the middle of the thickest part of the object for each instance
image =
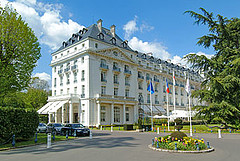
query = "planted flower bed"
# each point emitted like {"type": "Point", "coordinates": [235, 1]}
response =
{"type": "Point", "coordinates": [179, 141]}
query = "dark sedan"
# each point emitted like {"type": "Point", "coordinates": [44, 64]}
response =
{"type": "Point", "coordinates": [54, 127]}
{"type": "Point", "coordinates": [75, 130]}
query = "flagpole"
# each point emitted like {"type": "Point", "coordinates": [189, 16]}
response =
{"type": "Point", "coordinates": [151, 105]}
{"type": "Point", "coordinates": [174, 96]}
{"type": "Point", "coordinates": [167, 112]}
{"type": "Point", "coordinates": [190, 116]}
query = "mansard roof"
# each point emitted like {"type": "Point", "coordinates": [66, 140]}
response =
{"type": "Point", "coordinates": [93, 32]}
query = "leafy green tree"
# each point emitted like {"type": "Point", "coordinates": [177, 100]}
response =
{"type": "Point", "coordinates": [19, 52]}
{"type": "Point", "coordinates": [221, 87]}
{"type": "Point", "coordinates": [36, 98]}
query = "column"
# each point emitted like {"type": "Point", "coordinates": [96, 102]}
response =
{"type": "Point", "coordinates": [70, 112]}
{"type": "Point", "coordinates": [55, 116]}
{"type": "Point", "coordinates": [49, 118]}
{"type": "Point", "coordinates": [124, 114]}
{"type": "Point", "coordinates": [62, 114]}
{"type": "Point", "coordinates": [135, 115]}
{"type": "Point", "coordinates": [79, 112]}
{"type": "Point", "coordinates": [99, 113]}
{"type": "Point", "coordinates": [112, 113]}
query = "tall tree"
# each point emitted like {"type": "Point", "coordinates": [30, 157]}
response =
{"type": "Point", "coordinates": [19, 52]}
{"type": "Point", "coordinates": [221, 87]}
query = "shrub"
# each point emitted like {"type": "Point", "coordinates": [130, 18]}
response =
{"type": "Point", "coordinates": [21, 122]}
{"type": "Point", "coordinates": [178, 134]}
{"type": "Point", "coordinates": [179, 125]}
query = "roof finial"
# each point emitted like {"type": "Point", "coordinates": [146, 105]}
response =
{"type": "Point", "coordinates": [99, 25]}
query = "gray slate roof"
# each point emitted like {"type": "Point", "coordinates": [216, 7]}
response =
{"type": "Point", "coordinates": [93, 32]}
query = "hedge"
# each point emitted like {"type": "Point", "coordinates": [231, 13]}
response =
{"type": "Point", "coordinates": [21, 122]}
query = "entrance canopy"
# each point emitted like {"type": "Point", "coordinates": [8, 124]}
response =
{"type": "Point", "coordinates": [51, 107]}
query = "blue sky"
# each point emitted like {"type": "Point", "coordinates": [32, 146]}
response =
{"type": "Point", "coordinates": [157, 26]}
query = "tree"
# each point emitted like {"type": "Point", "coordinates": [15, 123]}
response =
{"type": "Point", "coordinates": [37, 98]}
{"type": "Point", "coordinates": [19, 52]}
{"type": "Point", "coordinates": [221, 87]}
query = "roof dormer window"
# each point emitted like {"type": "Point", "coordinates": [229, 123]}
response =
{"type": "Point", "coordinates": [124, 44]}
{"type": "Point", "coordinates": [64, 44]}
{"type": "Point", "coordinates": [101, 36]}
{"type": "Point", "coordinates": [113, 40]}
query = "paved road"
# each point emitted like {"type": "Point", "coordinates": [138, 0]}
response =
{"type": "Point", "coordinates": [123, 146]}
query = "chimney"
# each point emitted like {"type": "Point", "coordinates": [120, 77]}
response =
{"type": "Point", "coordinates": [112, 30]}
{"type": "Point", "coordinates": [150, 54]}
{"type": "Point", "coordinates": [99, 25]}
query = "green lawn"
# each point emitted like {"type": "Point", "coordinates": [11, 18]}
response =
{"type": "Point", "coordinates": [41, 139]}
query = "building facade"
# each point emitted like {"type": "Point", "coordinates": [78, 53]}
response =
{"type": "Point", "coordinates": [97, 79]}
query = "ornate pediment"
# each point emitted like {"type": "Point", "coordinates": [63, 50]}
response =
{"type": "Point", "coordinates": [116, 53]}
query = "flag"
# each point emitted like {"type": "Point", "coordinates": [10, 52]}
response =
{"type": "Point", "coordinates": [174, 82]}
{"type": "Point", "coordinates": [167, 90]}
{"type": "Point", "coordinates": [187, 88]}
{"type": "Point", "coordinates": [150, 88]}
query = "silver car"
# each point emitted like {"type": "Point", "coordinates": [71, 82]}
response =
{"type": "Point", "coordinates": [42, 127]}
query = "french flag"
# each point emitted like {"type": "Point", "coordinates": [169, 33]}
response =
{"type": "Point", "coordinates": [167, 90]}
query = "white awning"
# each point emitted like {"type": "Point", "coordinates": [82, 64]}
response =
{"type": "Point", "coordinates": [59, 105]}
{"type": "Point", "coordinates": [44, 107]}
{"type": "Point", "coordinates": [50, 107]}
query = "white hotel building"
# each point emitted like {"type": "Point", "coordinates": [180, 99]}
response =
{"type": "Point", "coordinates": [97, 79]}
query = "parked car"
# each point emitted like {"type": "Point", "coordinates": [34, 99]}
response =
{"type": "Point", "coordinates": [42, 127]}
{"type": "Point", "coordinates": [54, 127]}
{"type": "Point", "coordinates": [75, 130]}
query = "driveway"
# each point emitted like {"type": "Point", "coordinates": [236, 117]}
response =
{"type": "Point", "coordinates": [121, 146]}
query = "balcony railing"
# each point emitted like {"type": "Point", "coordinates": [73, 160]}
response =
{"type": "Point", "coordinates": [60, 71]}
{"type": "Point", "coordinates": [75, 81]}
{"type": "Point", "coordinates": [74, 67]}
{"type": "Point", "coordinates": [82, 95]}
{"type": "Point", "coordinates": [127, 71]}
{"type": "Point", "coordinates": [171, 83]}
{"type": "Point", "coordinates": [127, 84]}
{"type": "Point", "coordinates": [148, 78]}
{"type": "Point", "coordinates": [156, 90]}
{"type": "Point", "coordinates": [181, 94]}
{"type": "Point", "coordinates": [181, 85]}
{"type": "Point", "coordinates": [61, 84]}
{"type": "Point", "coordinates": [104, 66]}
{"type": "Point", "coordinates": [82, 79]}
{"type": "Point", "coordinates": [115, 82]}
{"type": "Point", "coordinates": [182, 104]}
{"type": "Point", "coordinates": [116, 69]}
{"type": "Point", "coordinates": [177, 104]}
{"type": "Point", "coordinates": [156, 102]}
{"type": "Point", "coordinates": [140, 88]}
{"type": "Point", "coordinates": [148, 101]}
{"type": "Point", "coordinates": [140, 76]}
{"type": "Point", "coordinates": [103, 80]}
{"type": "Point", "coordinates": [171, 103]}
{"type": "Point", "coordinates": [67, 69]}
{"type": "Point", "coordinates": [156, 80]}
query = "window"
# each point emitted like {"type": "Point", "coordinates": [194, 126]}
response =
{"type": "Point", "coordinates": [75, 48]}
{"type": "Point", "coordinates": [68, 52]}
{"type": "Point", "coordinates": [96, 45]}
{"type": "Point", "coordinates": [164, 88]}
{"type": "Point", "coordinates": [147, 76]}
{"type": "Point", "coordinates": [115, 53]}
{"type": "Point", "coordinates": [68, 90]}
{"type": "Point", "coordinates": [55, 57]}
{"type": "Point", "coordinates": [156, 99]}
{"type": "Point", "coordinates": [115, 92]}
{"type": "Point", "coordinates": [127, 114]}
{"type": "Point", "coordinates": [103, 113]}
{"type": "Point", "coordinates": [115, 79]}
{"type": "Point", "coordinates": [75, 90]}
{"type": "Point", "coordinates": [83, 75]}
{"type": "Point", "coordinates": [127, 81]}
{"type": "Point", "coordinates": [126, 92]}
{"type": "Point", "coordinates": [82, 60]}
{"type": "Point", "coordinates": [156, 88]}
{"type": "Point", "coordinates": [140, 85]}
{"type": "Point", "coordinates": [103, 89]}
{"type": "Point", "coordinates": [148, 98]}
{"type": "Point", "coordinates": [55, 92]}
{"type": "Point", "coordinates": [75, 77]}
{"type": "Point", "coordinates": [55, 69]}
{"type": "Point", "coordinates": [68, 78]}
{"type": "Point", "coordinates": [83, 45]}
{"type": "Point", "coordinates": [103, 77]}
{"type": "Point", "coordinates": [116, 114]}
{"type": "Point", "coordinates": [83, 114]}
{"type": "Point", "coordinates": [61, 80]}
{"type": "Point", "coordinates": [61, 91]}
{"type": "Point", "coordinates": [83, 89]}
{"type": "Point", "coordinates": [55, 82]}
{"type": "Point", "coordinates": [164, 98]}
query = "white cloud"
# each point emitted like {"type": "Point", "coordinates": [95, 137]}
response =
{"type": "Point", "coordinates": [177, 59]}
{"type": "Point", "coordinates": [146, 27]}
{"type": "Point", "coordinates": [43, 76]}
{"type": "Point", "coordinates": [156, 48]}
{"type": "Point", "coordinates": [46, 21]}
{"type": "Point", "coordinates": [130, 28]}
